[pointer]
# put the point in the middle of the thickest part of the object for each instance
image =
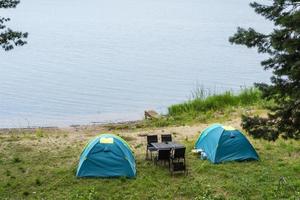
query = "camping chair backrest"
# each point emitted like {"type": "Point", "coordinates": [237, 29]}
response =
{"type": "Point", "coordinates": [163, 154]}
{"type": "Point", "coordinates": [166, 138]}
{"type": "Point", "coordinates": [179, 153]}
{"type": "Point", "coordinates": [151, 139]}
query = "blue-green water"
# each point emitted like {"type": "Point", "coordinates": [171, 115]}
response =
{"type": "Point", "coordinates": [109, 60]}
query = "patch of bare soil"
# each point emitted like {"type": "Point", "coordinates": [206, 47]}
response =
{"type": "Point", "coordinates": [58, 139]}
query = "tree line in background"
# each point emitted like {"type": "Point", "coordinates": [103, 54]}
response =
{"type": "Point", "coordinates": [283, 47]}
{"type": "Point", "coordinates": [8, 37]}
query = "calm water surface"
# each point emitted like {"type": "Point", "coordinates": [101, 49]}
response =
{"type": "Point", "coordinates": [108, 60]}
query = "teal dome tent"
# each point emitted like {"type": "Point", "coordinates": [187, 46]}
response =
{"type": "Point", "coordinates": [224, 143]}
{"type": "Point", "coordinates": [107, 155]}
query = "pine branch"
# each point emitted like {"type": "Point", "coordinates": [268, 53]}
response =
{"type": "Point", "coordinates": [8, 37]}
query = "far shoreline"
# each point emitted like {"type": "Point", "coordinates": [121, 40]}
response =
{"type": "Point", "coordinates": [73, 126]}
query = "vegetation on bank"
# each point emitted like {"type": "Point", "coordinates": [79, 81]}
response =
{"type": "Point", "coordinates": [205, 107]}
{"type": "Point", "coordinates": [216, 102]}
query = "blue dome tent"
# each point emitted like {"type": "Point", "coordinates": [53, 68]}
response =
{"type": "Point", "coordinates": [224, 143]}
{"type": "Point", "coordinates": [107, 155]}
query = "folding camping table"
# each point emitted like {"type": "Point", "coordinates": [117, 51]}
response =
{"type": "Point", "coordinates": [166, 146]}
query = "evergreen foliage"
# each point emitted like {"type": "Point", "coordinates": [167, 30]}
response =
{"type": "Point", "coordinates": [283, 47]}
{"type": "Point", "coordinates": [8, 37]}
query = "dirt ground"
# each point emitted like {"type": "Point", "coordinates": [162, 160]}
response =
{"type": "Point", "coordinates": [79, 136]}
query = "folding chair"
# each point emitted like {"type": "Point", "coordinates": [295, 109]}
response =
{"type": "Point", "coordinates": [150, 148]}
{"type": "Point", "coordinates": [163, 155]}
{"type": "Point", "coordinates": [166, 138]}
{"type": "Point", "coordinates": [178, 160]}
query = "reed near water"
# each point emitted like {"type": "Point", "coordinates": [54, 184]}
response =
{"type": "Point", "coordinates": [204, 101]}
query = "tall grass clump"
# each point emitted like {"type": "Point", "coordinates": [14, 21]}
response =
{"type": "Point", "coordinates": [202, 103]}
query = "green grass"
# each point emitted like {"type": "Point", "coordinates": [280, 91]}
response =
{"type": "Point", "coordinates": [216, 102]}
{"type": "Point", "coordinates": [44, 168]}
{"type": "Point", "coordinates": [205, 107]}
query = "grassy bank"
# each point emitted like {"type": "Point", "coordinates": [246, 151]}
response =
{"type": "Point", "coordinates": [202, 104]}
{"type": "Point", "coordinates": [42, 164]}
{"type": "Point", "coordinates": [205, 107]}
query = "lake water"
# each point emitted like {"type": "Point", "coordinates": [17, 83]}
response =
{"type": "Point", "coordinates": [109, 60]}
